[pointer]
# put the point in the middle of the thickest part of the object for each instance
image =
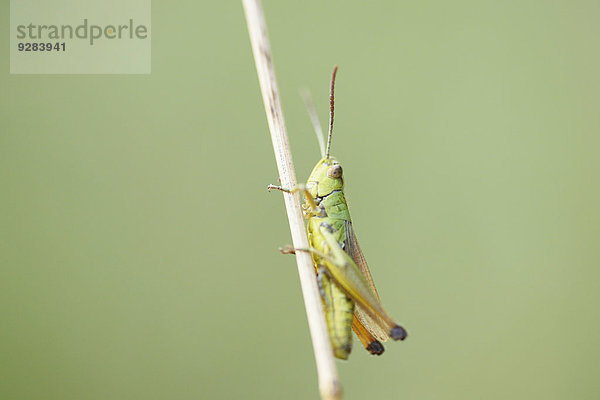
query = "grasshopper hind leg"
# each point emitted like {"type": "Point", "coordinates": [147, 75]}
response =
{"type": "Point", "coordinates": [369, 342]}
{"type": "Point", "coordinates": [375, 348]}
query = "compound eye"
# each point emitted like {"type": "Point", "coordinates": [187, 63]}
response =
{"type": "Point", "coordinates": [335, 171]}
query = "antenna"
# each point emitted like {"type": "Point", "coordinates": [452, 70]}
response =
{"type": "Point", "coordinates": [335, 68]}
{"type": "Point", "coordinates": [312, 113]}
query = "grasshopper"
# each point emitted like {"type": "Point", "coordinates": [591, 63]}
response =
{"type": "Point", "coordinates": [349, 297]}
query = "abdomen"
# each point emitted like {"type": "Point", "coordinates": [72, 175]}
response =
{"type": "Point", "coordinates": [339, 308]}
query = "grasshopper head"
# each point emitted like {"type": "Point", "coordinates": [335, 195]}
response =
{"type": "Point", "coordinates": [325, 178]}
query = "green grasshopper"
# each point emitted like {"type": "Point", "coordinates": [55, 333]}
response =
{"type": "Point", "coordinates": [350, 300]}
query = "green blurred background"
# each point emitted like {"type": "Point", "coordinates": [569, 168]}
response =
{"type": "Point", "coordinates": [139, 245]}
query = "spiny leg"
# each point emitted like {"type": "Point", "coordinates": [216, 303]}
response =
{"type": "Point", "coordinates": [314, 208]}
{"type": "Point", "coordinates": [287, 250]}
{"type": "Point", "coordinates": [292, 250]}
{"type": "Point", "coordinates": [321, 270]}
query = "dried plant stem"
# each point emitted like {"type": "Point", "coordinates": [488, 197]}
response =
{"type": "Point", "coordinates": [328, 377]}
